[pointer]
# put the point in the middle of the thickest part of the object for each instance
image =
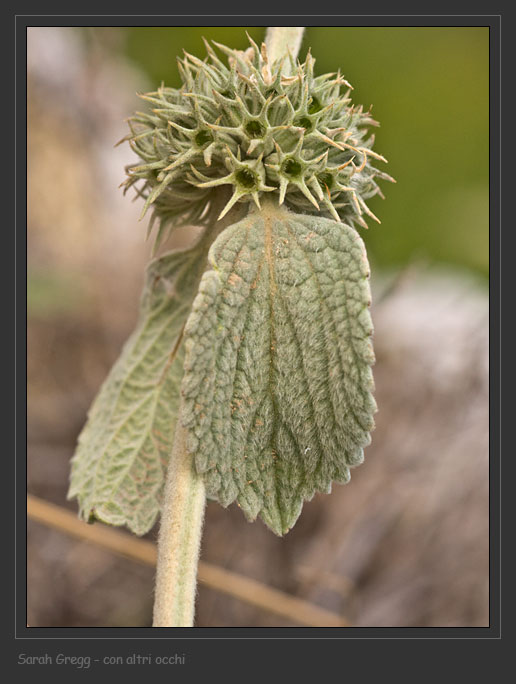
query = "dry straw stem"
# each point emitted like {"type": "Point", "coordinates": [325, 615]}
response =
{"type": "Point", "coordinates": [247, 590]}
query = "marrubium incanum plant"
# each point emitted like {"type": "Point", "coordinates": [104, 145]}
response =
{"type": "Point", "coordinates": [248, 378]}
{"type": "Point", "coordinates": [266, 130]}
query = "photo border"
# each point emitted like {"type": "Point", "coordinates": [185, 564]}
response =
{"type": "Point", "coordinates": [46, 635]}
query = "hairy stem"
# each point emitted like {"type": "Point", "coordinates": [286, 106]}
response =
{"type": "Point", "coordinates": [281, 40]}
{"type": "Point", "coordinates": [184, 498]}
{"type": "Point", "coordinates": [179, 539]}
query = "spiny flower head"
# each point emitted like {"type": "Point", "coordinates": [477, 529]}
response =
{"type": "Point", "coordinates": [259, 128]}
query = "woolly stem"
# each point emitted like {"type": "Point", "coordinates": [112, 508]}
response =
{"type": "Point", "coordinates": [281, 40]}
{"type": "Point", "coordinates": [184, 498]}
{"type": "Point", "coordinates": [179, 538]}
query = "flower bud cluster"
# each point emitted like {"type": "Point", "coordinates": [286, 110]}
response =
{"type": "Point", "coordinates": [260, 128]}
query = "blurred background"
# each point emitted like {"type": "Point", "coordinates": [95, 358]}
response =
{"type": "Point", "coordinates": [405, 543]}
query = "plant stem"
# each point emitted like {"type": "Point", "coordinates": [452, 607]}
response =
{"type": "Point", "coordinates": [184, 498]}
{"type": "Point", "coordinates": [181, 523]}
{"type": "Point", "coordinates": [281, 40]}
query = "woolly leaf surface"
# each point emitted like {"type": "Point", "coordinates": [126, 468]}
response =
{"type": "Point", "coordinates": [278, 381]}
{"type": "Point", "coordinates": [119, 467]}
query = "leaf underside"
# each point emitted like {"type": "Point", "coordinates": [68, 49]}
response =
{"type": "Point", "coordinates": [277, 381]}
{"type": "Point", "coordinates": [119, 467]}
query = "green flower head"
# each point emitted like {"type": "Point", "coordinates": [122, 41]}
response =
{"type": "Point", "coordinates": [261, 128]}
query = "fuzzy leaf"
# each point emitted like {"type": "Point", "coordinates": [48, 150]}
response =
{"type": "Point", "coordinates": [119, 467]}
{"type": "Point", "coordinates": [277, 384]}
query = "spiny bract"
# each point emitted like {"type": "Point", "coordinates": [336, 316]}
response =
{"type": "Point", "coordinates": [248, 125]}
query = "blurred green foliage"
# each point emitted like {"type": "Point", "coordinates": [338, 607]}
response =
{"type": "Point", "coordinates": [54, 293]}
{"type": "Point", "coordinates": [429, 87]}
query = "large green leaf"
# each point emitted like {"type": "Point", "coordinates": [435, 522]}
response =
{"type": "Point", "coordinates": [119, 467]}
{"type": "Point", "coordinates": [278, 381]}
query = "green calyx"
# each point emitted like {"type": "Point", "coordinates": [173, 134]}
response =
{"type": "Point", "coordinates": [247, 125]}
